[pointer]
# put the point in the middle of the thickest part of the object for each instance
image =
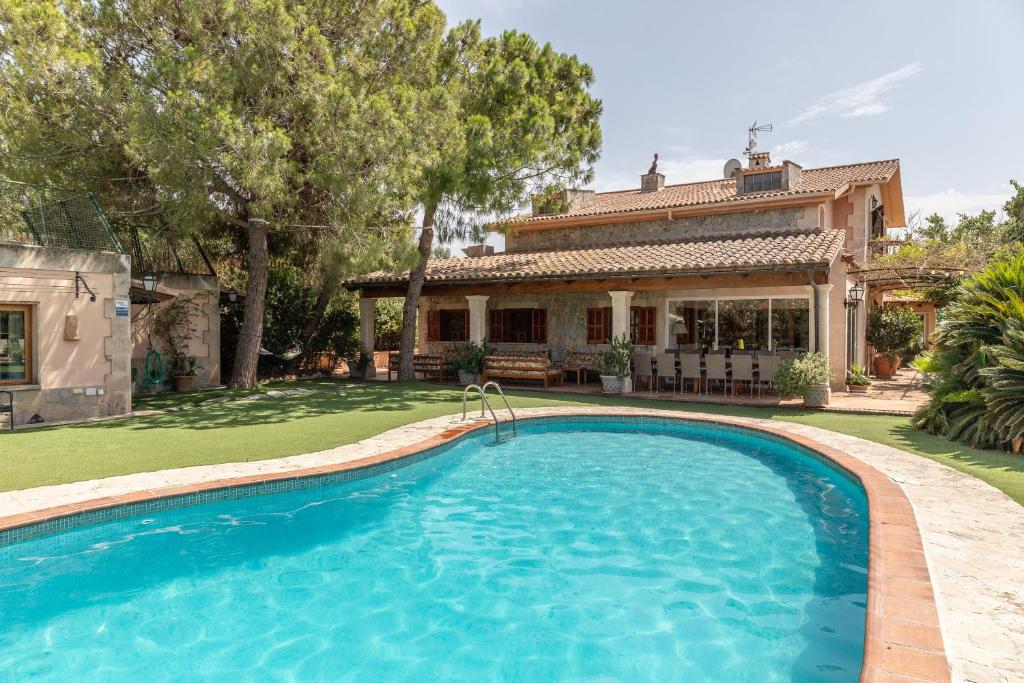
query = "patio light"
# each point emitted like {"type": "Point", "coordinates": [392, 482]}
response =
{"type": "Point", "coordinates": [232, 295]}
{"type": "Point", "coordinates": [149, 282]}
{"type": "Point", "coordinates": [855, 295]}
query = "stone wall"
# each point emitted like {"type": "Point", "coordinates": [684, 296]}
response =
{"type": "Point", "coordinates": [687, 227]}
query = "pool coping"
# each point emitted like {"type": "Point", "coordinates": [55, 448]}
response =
{"type": "Point", "coordinates": [903, 637]}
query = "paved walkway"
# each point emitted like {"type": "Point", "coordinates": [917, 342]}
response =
{"type": "Point", "coordinates": [973, 534]}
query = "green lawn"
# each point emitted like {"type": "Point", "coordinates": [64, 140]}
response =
{"type": "Point", "coordinates": [346, 412]}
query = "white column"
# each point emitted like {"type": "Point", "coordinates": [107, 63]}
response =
{"type": "Point", "coordinates": [477, 318]}
{"type": "Point", "coordinates": [620, 312]}
{"type": "Point", "coordinates": [824, 319]}
{"type": "Point", "coordinates": [366, 336]}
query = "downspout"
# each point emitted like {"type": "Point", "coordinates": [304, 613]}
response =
{"type": "Point", "coordinates": [817, 322]}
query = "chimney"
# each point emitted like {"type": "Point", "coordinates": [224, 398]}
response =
{"type": "Point", "coordinates": [759, 160]}
{"type": "Point", "coordinates": [652, 181]}
{"type": "Point", "coordinates": [476, 250]}
{"type": "Point", "coordinates": [561, 202]}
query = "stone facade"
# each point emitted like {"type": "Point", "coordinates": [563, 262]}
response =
{"type": "Point", "coordinates": [683, 228]}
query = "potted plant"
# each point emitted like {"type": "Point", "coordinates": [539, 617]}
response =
{"type": "Point", "coordinates": [891, 331]}
{"type": "Point", "coordinates": [857, 380]}
{"type": "Point", "coordinates": [615, 366]}
{"type": "Point", "coordinates": [468, 361]}
{"type": "Point", "coordinates": [183, 371]}
{"type": "Point", "coordinates": [807, 375]}
{"type": "Point", "coordinates": [358, 364]}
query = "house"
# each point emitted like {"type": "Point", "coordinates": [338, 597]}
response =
{"type": "Point", "coordinates": [75, 325]}
{"type": "Point", "coordinates": [759, 259]}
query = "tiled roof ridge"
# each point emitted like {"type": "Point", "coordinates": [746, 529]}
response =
{"type": "Point", "coordinates": [730, 180]}
{"type": "Point", "coordinates": [724, 237]}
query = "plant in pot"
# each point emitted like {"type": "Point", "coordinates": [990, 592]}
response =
{"type": "Point", "coordinates": [891, 331]}
{"type": "Point", "coordinates": [857, 380]}
{"type": "Point", "coordinates": [358, 364]}
{"type": "Point", "coordinates": [468, 361]}
{"type": "Point", "coordinates": [807, 375]}
{"type": "Point", "coordinates": [615, 365]}
{"type": "Point", "coordinates": [183, 372]}
{"type": "Point", "coordinates": [174, 323]}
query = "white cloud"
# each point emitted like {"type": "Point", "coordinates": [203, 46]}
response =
{"type": "Point", "coordinates": [949, 203]}
{"type": "Point", "coordinates": [861, 99]}
{"type": "Point", "coordinates": [788, 150]}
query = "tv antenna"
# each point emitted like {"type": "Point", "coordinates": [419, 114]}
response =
{"type": "Point", "coordinates": [752, 136]}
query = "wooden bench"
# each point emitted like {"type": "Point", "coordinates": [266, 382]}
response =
{"type": "Point", "coordinates": [431, 365]}
{"type": "Point", "coordinates": [521, 368]}
{"type": "Point", "coordinates": [582, 362]}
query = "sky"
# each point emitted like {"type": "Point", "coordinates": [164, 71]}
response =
{"type": "Point", "coordinates": [936, 84]}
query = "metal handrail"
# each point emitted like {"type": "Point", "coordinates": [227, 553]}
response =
{"type": "Point", "coordinates": [483, 402]}
{"type": "Point", "coordinates": [503, 398]}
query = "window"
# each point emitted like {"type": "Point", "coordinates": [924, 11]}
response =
{"type": "Point", "coordinates": [791, 324]}
{"type": "Point", "coordinates": [762, 182]}
{"type": "Point", "coordinates": [743, 320]}
{"type": "Point", "coordinates": [15, 344]}
{"type": "Point", "coordinates": [448, 325]}
{"type": "Point", "coordinates": [763, 324]}
{"type": "Point", "coordinates": [821, 216]}
{"type": "Point", "coordinates": [641, 325]}
{"type": "Point", "coordinates": [519, 326]}
{"type": "Point", "coordinates": [692, 324]}
{"type": "Point", "coordinates": [599, 325]}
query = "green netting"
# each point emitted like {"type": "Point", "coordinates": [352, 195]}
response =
{"type": "Point", "coordinates": [53, 217]}
{"type": "Point", "coordinates": [155, 248]}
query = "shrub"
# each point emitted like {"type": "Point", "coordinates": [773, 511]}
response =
{"type": "Point", "coordinates": [467, 357]}
{"type": "Point", "coordinates": [975, 374]}
{"type": "Point", "coordinates": [892, 330]}
{"type": "Point", "coordinates": [617, 360]}
{"type": "Point", "coordinates": [793, 376]}
{"type": "Point", "coordinates": [857, 376]}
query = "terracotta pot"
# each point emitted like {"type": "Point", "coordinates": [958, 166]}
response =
{"type": "Point", "coordinates": [817, 395]}
{"type": "Point", "coordinates": [885, 368]}
{"type": "Point", "coordinates": [183, 382]}
{"type": "Point", "coordinates": [857, 388]}
{"type": "Point", "coordinates": [467, 378]}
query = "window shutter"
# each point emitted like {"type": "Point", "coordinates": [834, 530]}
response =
{"type": "Point", "coordinates": [465, 326]}
{"type": "Point", "coordinates": [497, 325]}
{"type": "Point", "coordinates": [641, 329]}
{"type": "Point", "coordinates": [540, 326]}
{"type": "Point", "coordinates": [606, 331]}
{"type": "Point", "coordinates": [593, 325]}
{"type": "Point", "coordinates": [433, 326]}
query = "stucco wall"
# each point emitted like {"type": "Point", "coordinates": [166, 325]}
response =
{"type": "Point", "coordinates": [774, 220]}
{"type": "Point", "coordinates": [84, 378]}
{"type": "Point", "coordinates": [205, 345]}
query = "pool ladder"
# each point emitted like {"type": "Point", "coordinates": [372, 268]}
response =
{"type": "Point", "coordinates": [484, 402]}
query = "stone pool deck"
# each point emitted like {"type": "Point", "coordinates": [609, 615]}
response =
{"type": "Point", "coordinates": [971, 537]}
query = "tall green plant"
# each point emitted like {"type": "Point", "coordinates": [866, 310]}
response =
{"type": "Point", "coordinates": [892, 330]}
{"type": "Point", "coordinates": [976, 372]}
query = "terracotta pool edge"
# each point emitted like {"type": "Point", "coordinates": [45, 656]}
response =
{"type": "Point", "coordinates": [903, 638]}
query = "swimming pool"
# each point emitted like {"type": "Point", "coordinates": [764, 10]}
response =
{"type": "Point", "coordinates": [584, 548]}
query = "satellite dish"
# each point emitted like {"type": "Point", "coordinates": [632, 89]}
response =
{"type": "Point", "coordinates": [731, 167]}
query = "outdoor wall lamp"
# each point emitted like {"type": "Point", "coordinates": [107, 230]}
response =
{"type": "Point", "coordinates": [232, 295]}
{"type": "Point", "coordinates": [149, 282]}
{"type": "Point", "coordinates": [855, 296]}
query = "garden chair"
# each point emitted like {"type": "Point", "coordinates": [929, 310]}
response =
{"type": "Point", "coordinates": [666, 369]}
{"type": "Point", "coordinates": [715, 371]}
{"type": "Point", "coordinates": [689, 368]}
{"type": "Point", "coordinates": [643, 368]}
{"type": "Point", "coordinates": [742, 371]}
{"type": "Point", "coordinates": [766, 366]}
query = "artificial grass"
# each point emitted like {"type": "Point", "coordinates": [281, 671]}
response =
{"type": "Point", "coordinates": [343, 412]}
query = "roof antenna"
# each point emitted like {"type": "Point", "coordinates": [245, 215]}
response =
{"type": "Point", "coordinates": [752, 136]}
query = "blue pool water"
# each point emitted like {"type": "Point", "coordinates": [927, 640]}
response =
{"type": "Point", "coordinates": [589, 550]}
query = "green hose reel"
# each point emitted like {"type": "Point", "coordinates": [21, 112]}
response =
{"type": "Point", "coordinates": [154, 369]}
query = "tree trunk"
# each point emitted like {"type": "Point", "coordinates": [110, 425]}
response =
{"type": "Point", "coordinates": [247, 353]}
{"type": "Point", "coordinates": [412, 296]}
{"type": "Point", "coordinates": [323, 298]}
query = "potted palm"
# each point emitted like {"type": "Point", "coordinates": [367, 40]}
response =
{"type": "Point", "coordinates": [468, 361]}
{"type": "Point", "coordinates": [615, 366]}
{"type": "Point", "coordinates": [891, 331]}
{"type": "Point", "coordinates": [807, 375]}
{"type": "Point", "coordinates": [183, 371]}
{"type": "Point", "coordinates": [857, 380]}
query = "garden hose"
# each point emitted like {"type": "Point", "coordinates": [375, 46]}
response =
{"type": "Point", "coordinates": [153, 371]}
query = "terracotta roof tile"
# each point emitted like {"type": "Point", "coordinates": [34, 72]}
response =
{"type": "Point", "coordinates": [812, 180]}
{"type": "Point", "coordinates": [741, 253]}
